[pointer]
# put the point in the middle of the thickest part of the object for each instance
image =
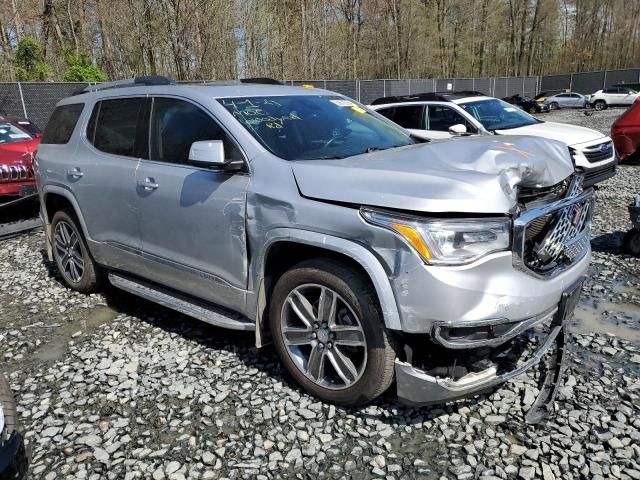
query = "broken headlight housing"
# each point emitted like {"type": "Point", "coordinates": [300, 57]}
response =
{"type": "Point", "coordinates": [438, 241]}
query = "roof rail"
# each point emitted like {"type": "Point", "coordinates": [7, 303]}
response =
{"type": "Point", "coordinates": [146, 80]}
{"type": "Point", "coordinates": [428, 97]}
{"type": "Point", "coordinates": [262, 80]}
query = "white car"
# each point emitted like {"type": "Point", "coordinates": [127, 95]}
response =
{"type": "Point", "coordinates": [613, 96]}
{"type": "Point", "coordinates": [446, 115]}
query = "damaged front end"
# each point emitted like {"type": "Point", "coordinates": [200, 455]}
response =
{"type": "Point", "coordinates": [485, 355]}
{"type": "Point", "coordinates": [551, 234]}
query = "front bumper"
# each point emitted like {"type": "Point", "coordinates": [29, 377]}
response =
{"type": "Point", "coordinates": [419, 387]}
{"type": "Point", "coordinates": [13, 458]}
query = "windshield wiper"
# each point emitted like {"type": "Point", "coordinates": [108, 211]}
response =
{"type": "Point", "coordinates": [375, 149]}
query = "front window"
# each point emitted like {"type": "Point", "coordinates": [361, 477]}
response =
{"type": "Point", "coordinates": [498, 115]}
{"type": "Point", "coordinates": [10, 133]}
{"type": "Point", "coordinates": [313, 127]}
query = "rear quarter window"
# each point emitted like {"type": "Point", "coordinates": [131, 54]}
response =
{"type": "Point", "coordinates": [61, 124]}
{"type": "Point", "coordinates": [113, 126]}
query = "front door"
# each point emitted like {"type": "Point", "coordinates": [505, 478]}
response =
{"type": "Point", "coordinates": [440, 118]}
{"type": "Point", "coordinates": [192, 220]}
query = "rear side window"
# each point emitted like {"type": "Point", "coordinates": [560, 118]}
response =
{"type": "Point", "coordinates": [113, 126]}
{"type": "Point", "coordinates": [61, 124]}
{"type": "Point", "coordinates": [410, 116]}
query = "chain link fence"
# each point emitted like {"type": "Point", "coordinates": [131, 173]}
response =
{"type": "Point", "coordinates": [37, 100]}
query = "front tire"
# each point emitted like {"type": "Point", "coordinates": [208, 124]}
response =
{"type": "Point", "coordinates": [600, 105]}
{"type": "Point", "coordinates": [533, 110]}
{"type": "Point", "coordinates": [329, 333]}
{"type": "Point", "coordinates": [554, 106]}
{"type": "Point", "coordinates": [70, 252]}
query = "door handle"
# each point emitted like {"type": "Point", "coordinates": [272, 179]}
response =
{"type": "Point", "coordinates": [75, 172]}
{"type": "Point", "coordinates": [148, 184]}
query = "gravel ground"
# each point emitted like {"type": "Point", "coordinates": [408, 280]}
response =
{"type": "Point", "coordinates": [110, 386]}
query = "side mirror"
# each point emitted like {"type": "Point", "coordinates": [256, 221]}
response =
{"type": "Point", "coordinates": [207, 154]}
{"type": "Point", "coordinates": [458, 129]}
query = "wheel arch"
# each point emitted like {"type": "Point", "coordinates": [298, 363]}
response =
{"type": "Point", "coordinates": [56, 198]}
{"type": "Point", "coordinates": [285, 247]}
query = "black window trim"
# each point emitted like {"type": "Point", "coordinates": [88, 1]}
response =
{"type": "Point", "coordinates": [246, 167]}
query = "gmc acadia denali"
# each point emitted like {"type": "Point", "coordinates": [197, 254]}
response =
{"type": "Point", "coordinates": [364, 254]}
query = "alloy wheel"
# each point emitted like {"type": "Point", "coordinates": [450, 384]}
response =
{"type": "Point", "coordinates": [323, 336]}
{"type": "Point", "coordinates": [68, 252]}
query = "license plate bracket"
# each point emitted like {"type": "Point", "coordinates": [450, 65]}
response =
{"type": "Point", "coordinates": [26, 190]}
{"type": "Point", "coordinates": [569, 301]}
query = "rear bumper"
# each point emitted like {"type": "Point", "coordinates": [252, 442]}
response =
{"type": "Point", "coordinates": [13, 458]}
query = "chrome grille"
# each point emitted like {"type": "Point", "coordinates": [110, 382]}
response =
{"type": "Point", "coordinates": [13, 173]}
{"type": "Point", "coordinates": [599, 152]}
{"type": "Point", "coordinates": [550, 238]}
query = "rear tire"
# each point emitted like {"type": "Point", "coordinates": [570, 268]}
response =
{"type": "Point", "coordinates": [313, 349]}
{"type": "Point", "coordinates": [600, 105]}
{"type": "Point", "coordinates": [533, 110]}
{"type": "Point", "coordinates": [75, 264]}
{"type": "Point", "coordinates": [631, 242]}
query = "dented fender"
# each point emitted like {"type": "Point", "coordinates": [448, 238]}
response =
{"type": "Point", "coordinates": [364, 257]}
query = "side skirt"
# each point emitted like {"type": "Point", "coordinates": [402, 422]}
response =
{"type": "Point", "coordinates": [180, 303]}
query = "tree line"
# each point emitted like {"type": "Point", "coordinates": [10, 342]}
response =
{"type": "Point", "coordinates": [92, 40]}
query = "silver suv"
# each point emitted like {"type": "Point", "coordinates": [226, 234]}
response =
{"type": "Point", "coordinates": [364, 254]}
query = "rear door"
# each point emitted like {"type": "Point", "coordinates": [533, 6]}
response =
{"type": "Point", "coordinates": [192, 219]}
{"type": "Point", "coordinates": [102, 178]}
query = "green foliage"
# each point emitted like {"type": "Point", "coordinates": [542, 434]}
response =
{"type": "Point", "coordinates": [80, 69]}
{"type": "Point", "coordinates": [30, 63]}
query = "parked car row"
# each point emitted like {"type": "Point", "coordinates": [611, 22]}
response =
{"type": "Point", "coordinates": [446, 114]}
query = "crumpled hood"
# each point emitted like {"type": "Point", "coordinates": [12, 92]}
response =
{"type": "Point", "coordinates": [469, 175]}
{"type": "Point", "coordinates": [567, 134]}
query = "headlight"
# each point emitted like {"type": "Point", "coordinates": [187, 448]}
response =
{"type": "Point", "coordinates": [446, 241]}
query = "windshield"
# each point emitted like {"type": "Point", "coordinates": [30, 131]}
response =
{"type": "Point", "coordinates": [311, 127]}
{"type": "Point", "coordinates": [498, 115]}
{"type": "Point", "coordinates": [10, 133]}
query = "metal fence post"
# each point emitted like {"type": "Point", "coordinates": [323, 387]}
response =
{"type": "Point", "coordinates": [24, 107]}
{"type": "Point", "coordinates": [604, 82]}
{"type": "Point", "coordinates": [384, 88]}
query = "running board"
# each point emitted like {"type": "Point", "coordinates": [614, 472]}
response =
{"type": "Point", "coordinates": [180, 304]}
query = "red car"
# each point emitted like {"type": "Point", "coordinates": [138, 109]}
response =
{"type": "Point", "coordinates": [626, 133]}
{"type": "Point", "coordinates": [17, 149]}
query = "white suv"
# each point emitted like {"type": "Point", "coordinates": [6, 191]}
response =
{"type": "Point", "coordinates": [613, 96]}
{"type": "Point", "coordinates": [450, 114]}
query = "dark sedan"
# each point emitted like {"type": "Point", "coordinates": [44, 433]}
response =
{"type": "Point", "coordinates": [527, 104]}
{"type": "Point", "coordinates": [13, 456]}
